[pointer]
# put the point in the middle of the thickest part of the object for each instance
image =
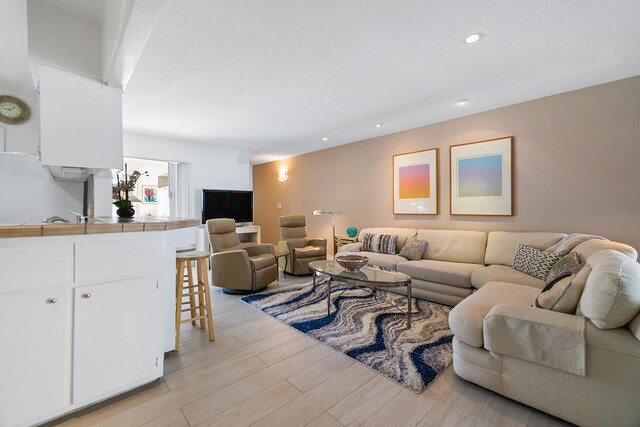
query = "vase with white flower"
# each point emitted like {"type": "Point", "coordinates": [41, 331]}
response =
{"type": "Point", "coordinates": [122, 187]}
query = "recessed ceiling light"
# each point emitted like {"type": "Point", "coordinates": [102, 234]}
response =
{"type": "Point", "coordinates": [324, 138]}
{"type": "Point", "coordinates": [463, 101]}
{"type": "Point", "coordinates": [379, 125]}
{"type": "Point", "coordinates": [473, 38]}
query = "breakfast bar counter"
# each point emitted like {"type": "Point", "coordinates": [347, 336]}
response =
{"type": "Point", "coordinates": [99, 225]}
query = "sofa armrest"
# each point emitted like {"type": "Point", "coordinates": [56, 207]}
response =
{"type": "Point", "coordinates": [231, 269]}
{"type": "Point", "coordinates": [321, 243]}
{"type": "Point", "coordinates": [259, 249]}
{"type": "Point", "coordinates": [351, 247]}
{"type": "Point", "coordinates": [549, 338]}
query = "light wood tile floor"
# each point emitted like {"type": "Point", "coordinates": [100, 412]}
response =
{"type": "Point", "coordinates": [261, 372]}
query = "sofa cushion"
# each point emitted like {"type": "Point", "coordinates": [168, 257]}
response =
{"type": "Point", "coordinates": [502, 246]}
{"type": "Point", "coordinates": [466, 319]}
{"type": "Point", "coordinates": [448, 273]}
{"type": "Point", "coordinates": [454, 245]}
{"type": "Point", "coordinates": [534, 262]}
{"type": "Point", "coordinates": [634, 326]}
{"type": "Point", "coordinates": [259, 262]}
{"type": "Point", "coordinates": [413, 249]}
{"type": "Point", "coordinates": [382, 260]}
{"type": "Point", "coordinates": [611, 297]}
{"type": "Point", "coordinates": [563, 293]}
{"type": "Point", "coordinates": [402, 233]}
{"type": "Point", "coordinates": [309, 251]}
{"type": "Point", "coordinates": [502, 273]}
{"type": "Point", "coordinates": [586, 249]}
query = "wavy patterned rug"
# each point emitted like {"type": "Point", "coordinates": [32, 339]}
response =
{"type": "Point", "coordinates": [367, 328]}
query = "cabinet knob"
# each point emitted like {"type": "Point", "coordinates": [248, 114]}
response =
{"type": "Point", "coordinates": [86, 295]}
{"type": "Point", "coordinates": [52, 300]}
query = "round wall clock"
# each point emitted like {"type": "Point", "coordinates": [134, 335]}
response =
{"type": "Point", "coordinates": [13, 110]}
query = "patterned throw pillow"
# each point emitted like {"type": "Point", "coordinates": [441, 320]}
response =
{"type": "Point", "coordinates": [413, 249]}
{"type": "Point", "coordinates": [534, 262]}
{"type": "Point", "coordinates": [564, 292]}
{"type": "Point", "coordinates": [564, 264]}
{"type": "Point", "coordinates": [380, 243]}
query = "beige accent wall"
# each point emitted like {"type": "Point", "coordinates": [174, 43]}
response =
{"type": "Point", "coordinates": [577, 169]}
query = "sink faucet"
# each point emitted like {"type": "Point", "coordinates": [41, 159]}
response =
{"type": "Point", "coordinates": [55, 220]}
{"type": "Point", "coordinates": [80, 218]}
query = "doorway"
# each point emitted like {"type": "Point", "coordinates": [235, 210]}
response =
{"type": "Point", "coordinates": [162, 189]}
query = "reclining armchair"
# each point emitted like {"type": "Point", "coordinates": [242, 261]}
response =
{"type": "Point", "coordinates": [301, 250]}
{"type": "Point", "coordinates": [237, 269]}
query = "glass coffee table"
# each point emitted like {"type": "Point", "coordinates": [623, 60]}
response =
{"type": "Point", "coordinates": [368, 278]}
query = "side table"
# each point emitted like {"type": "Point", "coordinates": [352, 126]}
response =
{"type": "Point", "coordinates": [280, 254]}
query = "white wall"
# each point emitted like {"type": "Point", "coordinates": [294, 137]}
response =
{"type": "Point", "coordinates": [29, 194]}
{"type": "Point", "coordinates": [211, 166]}
{"type": "Point", "coordinates": [24, 137]}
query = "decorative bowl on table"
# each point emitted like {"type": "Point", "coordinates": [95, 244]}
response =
{"type": "Point", "coordinates": [352, 262]}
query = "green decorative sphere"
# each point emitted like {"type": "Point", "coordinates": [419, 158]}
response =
{"type": "Point", "coordinates": [352, 231]}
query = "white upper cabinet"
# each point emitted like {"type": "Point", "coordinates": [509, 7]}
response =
{"type": "Point", "coordinates": [80, 121]}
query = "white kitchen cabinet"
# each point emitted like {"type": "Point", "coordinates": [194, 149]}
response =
{"type": "Point", "coordinates": [116, 336]}
{"type": "Point", "coordinates": [80, 121]}
{"type": "Point", "coordinates": [34, 368]}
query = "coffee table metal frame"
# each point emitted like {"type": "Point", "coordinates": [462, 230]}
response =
{"type": "Point", "coordinates": [369, 285]}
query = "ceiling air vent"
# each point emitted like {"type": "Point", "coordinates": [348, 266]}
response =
{"type": "Point", "coordinates": [73, 173]}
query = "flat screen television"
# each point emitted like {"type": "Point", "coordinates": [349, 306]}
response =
{"type": "Point", "coordinates": [227, 204]}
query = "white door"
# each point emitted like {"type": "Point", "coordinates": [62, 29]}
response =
{"type": "Point", "coordinates": [179, 205]}
{"type": "Point", "coordinates": [116, 337]}
{"type": "Point", "coordinates": [34, 337]}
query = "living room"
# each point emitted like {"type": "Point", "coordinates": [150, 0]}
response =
{"type": "Point", "coordinates": [319, 213]}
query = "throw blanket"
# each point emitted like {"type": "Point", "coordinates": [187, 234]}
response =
{"type": "Point", "coordinates": [567, 244]}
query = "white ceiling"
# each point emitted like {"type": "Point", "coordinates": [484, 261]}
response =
{"type": "Point", "coordinates": [276, 76]}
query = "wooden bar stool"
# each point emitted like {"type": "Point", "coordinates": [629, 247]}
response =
{"type": "Point", "coordinates": [201, 310]}
{"type": "Point", "coordinates": [186, 271]}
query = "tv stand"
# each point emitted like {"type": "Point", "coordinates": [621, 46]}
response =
{"type": "Point", "coordinates": [248, 233]}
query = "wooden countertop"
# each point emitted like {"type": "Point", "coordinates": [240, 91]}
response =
{"type": "Point", "coordinates": [98, 226]}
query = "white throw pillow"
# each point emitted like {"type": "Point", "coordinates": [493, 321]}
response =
{"type": "Point", "coordinates": [611, 296]}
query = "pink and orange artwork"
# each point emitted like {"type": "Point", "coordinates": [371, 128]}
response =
{"type": "Point", "coordinates": [414, 181]}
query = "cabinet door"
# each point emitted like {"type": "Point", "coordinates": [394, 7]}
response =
{"type": "Point", "coordinates": [33, 373]}
{"type": "Point", "coordinates": [115, 337]}
{"type": "Point", "coordinates": [80, 121]}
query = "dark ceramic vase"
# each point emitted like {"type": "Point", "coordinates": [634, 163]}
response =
{"type": "Point", "coordinates": [126, 212]}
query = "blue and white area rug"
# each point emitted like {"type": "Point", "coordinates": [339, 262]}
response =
{"type": "Point", "coordinates": [367, 328]}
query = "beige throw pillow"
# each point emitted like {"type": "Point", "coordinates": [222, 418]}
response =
{"type": "Point", "coordinates": [564, 292]}
{"type": "Point", "coordinates": [611, 297]}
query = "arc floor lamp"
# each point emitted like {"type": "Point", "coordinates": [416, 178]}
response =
{"type": "Point", "coordinates": [333, 226]}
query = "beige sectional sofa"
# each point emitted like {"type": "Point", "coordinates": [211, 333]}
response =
{"type": "Point", "coordinates": [458, 262]}
{"type": "Point", "coordinates": [583, 367]}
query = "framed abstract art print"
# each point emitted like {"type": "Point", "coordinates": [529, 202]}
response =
{"type": "Point", "coordinates": [415, 183]}
{"type": "Point", "coordinates": [481, 178]}
{"type": "Point", "coordinates": [149, 194]}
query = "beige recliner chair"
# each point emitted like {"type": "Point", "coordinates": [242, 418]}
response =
{"type": "Point", "coordinates": [302, 250]}
{"type": "Point", "coordinates": [237, 269]}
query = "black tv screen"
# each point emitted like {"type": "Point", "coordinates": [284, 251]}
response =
{"type": "Point", "coordinates": [237, 205]}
